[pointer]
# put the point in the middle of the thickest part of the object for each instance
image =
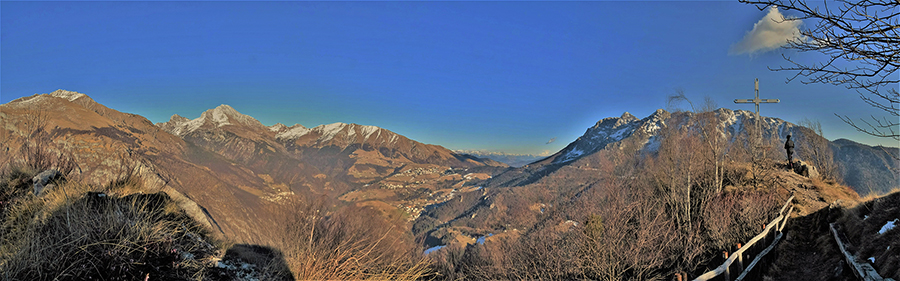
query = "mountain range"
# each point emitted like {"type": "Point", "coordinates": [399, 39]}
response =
{"type": "Point", "coordinates": [513, 160]}
{"type": "Point", "coordinates": [235, 175]}
{"type": "Point", "coordinates": [230, 171]}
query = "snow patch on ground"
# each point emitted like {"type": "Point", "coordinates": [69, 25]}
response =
{"type": "Point", "coordinates": [432, 249]}
{"type": "Point", "coordinates": [571, 155]}
{"type": "Point", "coordinates": [480, 240]}
{"type": "Point", "coordinates": [888, 226]}
{"type": "Point", "coordinates": [240, 270]}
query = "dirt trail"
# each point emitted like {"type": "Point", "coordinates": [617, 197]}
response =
{"type": "Point", "coordinates": [808, 252]}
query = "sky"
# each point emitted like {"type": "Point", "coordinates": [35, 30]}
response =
{"type": "Point", "coordinates": [514, 77]}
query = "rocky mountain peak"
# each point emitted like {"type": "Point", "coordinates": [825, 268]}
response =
{"type": "Point", "coordinates": [290, 133]}
{"type": "Point", "coordinates": [226, 115]}
{"type": "Point", "coordinates": [615, 129]}
{"type": "Point", "coordinates": [217, 117]}
{"type": "Point", "coordinates": [178, 119]}
{"type": "Point", "coordinates": [278, 127]}
{"type": "Point", "coordinates": [627, 118]}
{"type": "Point", "coordinates": [69, 95]}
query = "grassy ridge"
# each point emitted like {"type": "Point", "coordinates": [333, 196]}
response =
{"type": "Point", "coordinates": [73, 233]}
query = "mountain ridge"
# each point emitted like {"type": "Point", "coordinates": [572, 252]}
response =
{"type": "Point", "coordinates": [614, 131]}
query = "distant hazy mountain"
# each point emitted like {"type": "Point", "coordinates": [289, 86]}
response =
{"type": "Point", "coordinates": [513, 160]}
{"type": "Point", "coordinates": [867, 168]}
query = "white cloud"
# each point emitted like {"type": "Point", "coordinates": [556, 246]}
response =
{"type": "Point", "coordinates": [771, 32]}
{"type": "Point", "coordinates": [551, 141]}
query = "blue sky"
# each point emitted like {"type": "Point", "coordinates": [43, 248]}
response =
{"type": "Point", "coordinates": [499, 76]}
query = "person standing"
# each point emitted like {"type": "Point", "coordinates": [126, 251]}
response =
{"type": "Point", "coordinates": [789, 146]}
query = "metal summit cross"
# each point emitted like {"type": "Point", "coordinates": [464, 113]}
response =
{"type": "Point", "coordinates": [757, 100]}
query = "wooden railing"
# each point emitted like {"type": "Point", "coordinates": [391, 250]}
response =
{"type": "Point", "coordinates": [863, 270]}
{"type": "Point", "coordinates": [736, 266]}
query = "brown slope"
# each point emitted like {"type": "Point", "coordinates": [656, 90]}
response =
{"type": "Point", "coordinates": [107, 144]}
{"type": "Point", "coordinates": [329, 159]}
{"type": "Point", "coordinates": [361, 165]}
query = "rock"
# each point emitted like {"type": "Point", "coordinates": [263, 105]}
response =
{"type": "Point", "coordinates": [95, 199]}
{"type": "Point", "coordinates": [805, 169]}
{"type": "Point", "coordinates": [42, 181]}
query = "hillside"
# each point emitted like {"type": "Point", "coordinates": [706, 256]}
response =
{"type": "Point", "coordinates": [642, 176]}
{"type": "Point", "coordinates": [866, 168]}
{"type": "Point", "coordinates": [73, 231]}
{"type": "Point", "coordinates": [631, 199]}
{"type": "Point", "coordinates": [358, 164]}
{"type": "Point", "coordinates": [236, 173]}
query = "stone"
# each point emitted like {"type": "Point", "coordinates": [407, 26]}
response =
{"type": "Point", "coordinates": [805, 169]}
{"type": "Point", "coordinates": [42, 181]}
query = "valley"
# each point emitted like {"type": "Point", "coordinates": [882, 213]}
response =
{"type": "Point", "coordinates": [625, 184]}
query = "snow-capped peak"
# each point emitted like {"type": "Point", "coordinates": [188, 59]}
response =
{"type": "Point", "coordinates": [69, 95]}
{"type": "Point", "coordinates": [278, 127]}
{"type": "Point", "coordinates": [217, 117]}
{"type": "Point", "coordinates": [292, 132]}
{"type": "Point", "coordinates": [226, 115]}
{"type": "Point", "coordinates": [329, 131]}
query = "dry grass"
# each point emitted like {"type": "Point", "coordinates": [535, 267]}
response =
{"type": "Point", "coordinates": [69, 233]}
{"type": "Point", "coordinates": [861, 225]}
{"type": "Point", "coordinates": [875, 195]}
{"type": "Point", "coordinates": [352, 244]}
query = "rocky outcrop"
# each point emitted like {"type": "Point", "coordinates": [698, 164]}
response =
{"type": "Point", "coordinates": [44, 181]}
{"type": "Point", "coordinates": [805, 169]}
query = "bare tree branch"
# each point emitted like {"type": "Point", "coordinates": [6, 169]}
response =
{"type": "Point", "coordinates": [861, 39]}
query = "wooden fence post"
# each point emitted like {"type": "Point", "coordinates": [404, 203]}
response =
{"type": "Point", "coordinates": [727, 274]}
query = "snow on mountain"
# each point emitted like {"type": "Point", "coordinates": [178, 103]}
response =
{"type": "Point", "coordinates": [615, 129]}
{"type": "Point", "coordinates": [350, 133]}
{"type": "Point", "coordinates": [292, 132]}
{"type": "Point", "coordinates": [278, 127]}
{"type": "Point", "coordinates": [610, 130]}
{"type": "Point", "coordinates": [69, 95]}
{"type": "Point", "coordinates": [222, 115]}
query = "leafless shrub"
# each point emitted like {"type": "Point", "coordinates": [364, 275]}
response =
{"type": "Point", "coordinates": [350, 244]}
{"type": "Point", "coordinates": [811, 146]}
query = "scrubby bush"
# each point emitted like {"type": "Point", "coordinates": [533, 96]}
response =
{"type": "Point", "coordinates": [351, 243]}
{"type": "Point", "coordinates": [97, 236]}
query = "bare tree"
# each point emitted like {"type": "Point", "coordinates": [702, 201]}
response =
{"type": "Point", "coordinates": [815, 148]}
{"type": "Point", "coordinates": [713, 135]}
{"type": "Point", "coordinates": [862, 43]}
